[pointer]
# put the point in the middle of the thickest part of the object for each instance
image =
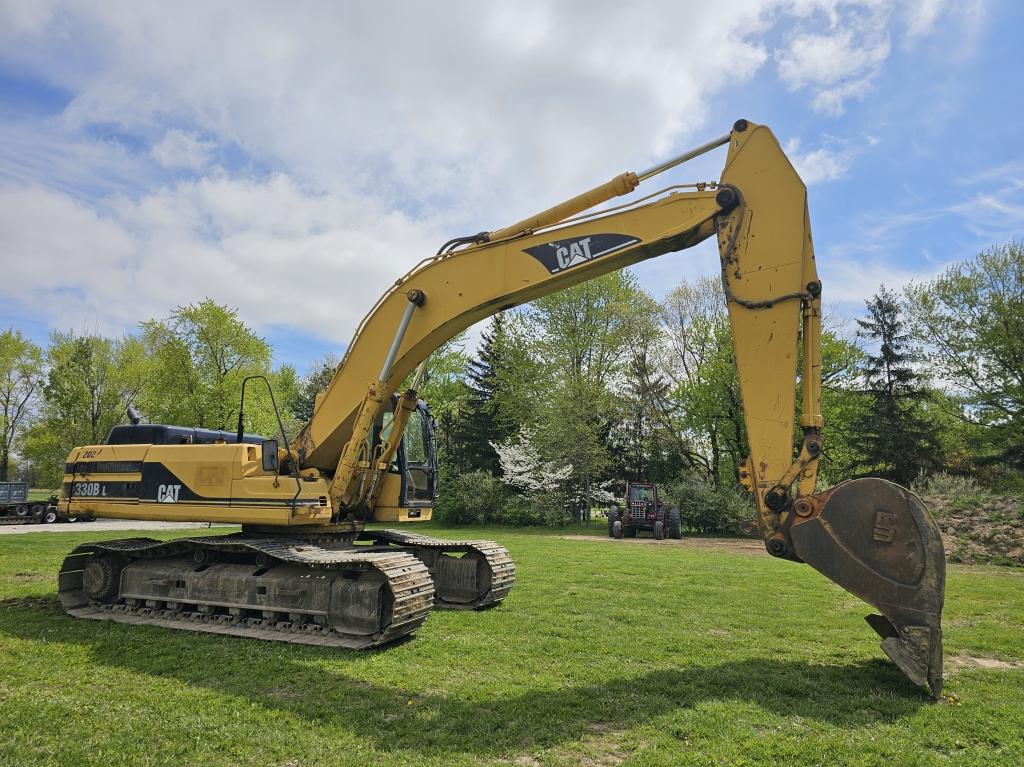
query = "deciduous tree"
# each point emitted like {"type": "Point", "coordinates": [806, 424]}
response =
{"type": "Point", "coordinates": [970, 319]}
{"type": "Point", "coordinates": [580, 339]}
{"type": "Point", "coordinates": [21, 373]}
{"type": "Point", "coordinates": [200, 355]}
{"type": "Point", "coordinates": [700, 362]}
{"type": "Point", "coordinates": [90, 382]}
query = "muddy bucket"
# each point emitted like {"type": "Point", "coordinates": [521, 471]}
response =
{"type": "Point", "coordinates": [878, 541]}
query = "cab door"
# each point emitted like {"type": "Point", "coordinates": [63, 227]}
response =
{"type": "Point", "coordinates": [417, 459]}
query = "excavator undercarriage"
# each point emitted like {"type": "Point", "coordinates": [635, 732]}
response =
{"type": "Point", "coordinates": [305, 568]}
{"type": "Point", "coordinates": [319, 590]}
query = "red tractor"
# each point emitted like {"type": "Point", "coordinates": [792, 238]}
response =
{"type": "Point", "coordinates": [643, 512]}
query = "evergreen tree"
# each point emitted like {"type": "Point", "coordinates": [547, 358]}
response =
{"type": "Point", "coordinates": [893, 435]}
{"type": "Point", "coordinates": [477, 426]}
{"type": "Point", "coordinates": [643, 443]}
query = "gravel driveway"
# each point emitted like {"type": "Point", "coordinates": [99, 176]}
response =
{"type": "Point", "coordinates": [104, 524]}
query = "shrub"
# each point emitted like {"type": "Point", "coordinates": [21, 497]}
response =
{"type": "Point", "coordinates": [522, 511]}
{"type": "Point", "coordinates": [705, 508]}
{"type": "Point", "coordinates": [477, 497]}
{"type": "Point", "coordinates": [956, 491]}
{"type": "Point", "coordinates": [472, 498]}
{"type": "Point", "coordinates": [526, 509]}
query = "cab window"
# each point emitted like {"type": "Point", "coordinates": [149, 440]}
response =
{"type": "Point", "coordinates": [415, 439]}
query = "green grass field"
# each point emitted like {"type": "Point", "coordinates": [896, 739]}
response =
{"type": "Point", "coordinates": [606, 653]}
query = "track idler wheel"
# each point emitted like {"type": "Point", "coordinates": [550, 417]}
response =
{"type": "Point", "coordinates": [101, 578]}
{"type": "Point", "coordinates": [878, 541]}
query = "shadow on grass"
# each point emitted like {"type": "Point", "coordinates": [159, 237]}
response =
{"type": "Point", "coordinates": [393, 718]}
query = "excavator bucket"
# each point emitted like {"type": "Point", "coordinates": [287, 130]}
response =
{"type": "Point", "coordinates": [878, 541]}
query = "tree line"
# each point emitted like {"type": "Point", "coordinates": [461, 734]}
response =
{"type": "Point", "coordinates": [568, 397]}
{"type": "Point", "coordinates": [185, 369]}
{"type": "Point", "coordinates": [580, 391]}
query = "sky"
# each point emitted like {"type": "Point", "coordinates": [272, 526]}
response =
{"type": "Point", "coordinates": [292, 160]}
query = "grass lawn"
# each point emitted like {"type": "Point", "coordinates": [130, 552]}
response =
{"type": "Point", "coordinates": [605, 653]}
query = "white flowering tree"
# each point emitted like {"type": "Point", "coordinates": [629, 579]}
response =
{"type": "Point", "coordinates": [547, 483]}
{"type": "Point", "coordinates": [523, 467]}
{"type": "Point", "coordinates": [542, 482]}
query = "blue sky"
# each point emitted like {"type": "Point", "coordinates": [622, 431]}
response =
{"type": "Point", "coordinates": [294, 160]}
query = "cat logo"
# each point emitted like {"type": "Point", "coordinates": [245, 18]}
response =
{"type": "Point", "coordinates": [168, 493]}
{"type": "Point", "coordinates": [565, 254]}
{"type": "Point", "coordinates": [574, 251]}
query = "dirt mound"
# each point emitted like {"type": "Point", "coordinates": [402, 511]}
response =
{"type": "Point", "coordinates": [990, 531]}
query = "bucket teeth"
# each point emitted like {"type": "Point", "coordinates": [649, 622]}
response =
{"type": "Point", "coordinates": [916, 651]}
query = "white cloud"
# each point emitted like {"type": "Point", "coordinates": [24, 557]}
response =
{"type": "Point", "coordinates": [378, 135]}
{"type": "Point", "coordinates": [922, 16]}
{"type": "Point", "coordinates": [966, 19]}
{"type": "Point", "coordinates": [1009, 173]}
{"type": "Point", "coordinates": [284, 257]}
{"type": "Point", "coordinates": [86, 167]}
{"type": "Point", "coordinates": [996, 216]}
{"type": "Point", "coordinates": [435, 104]}
{"type": "Point", "coordinates": [839, 62]}
{"type": "Point", "coordinates": [179, 149]}
{"type": "Point", "coordinates": [367, 135]}
{"type": "Point", "coordinates": [818, 165]}
{"type": "Point", "coordinates": [996, 212]}
{"type": "Point", "coordinates": [832, 58]}
{"type": "Point", "coordinates": [837, 48]}
{"type": "Point", "coordinates": [853, 281]}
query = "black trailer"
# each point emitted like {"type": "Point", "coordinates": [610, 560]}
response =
{"type": "Point", "coordinates": [15, 506]}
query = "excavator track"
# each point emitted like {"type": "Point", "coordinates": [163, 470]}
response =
{"type": "Point", "coordinates": [284, 590]}
{"type": "Point", "coordinates": [480, 577]}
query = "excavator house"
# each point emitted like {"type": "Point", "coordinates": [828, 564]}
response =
{"type": "Point", "coordinates": [305, 569]}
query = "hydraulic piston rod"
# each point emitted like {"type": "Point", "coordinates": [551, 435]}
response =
{"type": "Point", "coordinates": [416, 298]}
{"type": "Point", "coordinates": [348, 487]}
{"type": "Point", "coordinates": [620, 185]}
{"type": "Point", "coordinates": [654, 170]}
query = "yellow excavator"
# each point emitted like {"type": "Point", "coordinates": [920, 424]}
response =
{"type": "Point", "coordinates": [305, 569]}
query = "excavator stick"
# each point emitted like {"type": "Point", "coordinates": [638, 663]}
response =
{"type": "Point", "coordinates": [872, 537]}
